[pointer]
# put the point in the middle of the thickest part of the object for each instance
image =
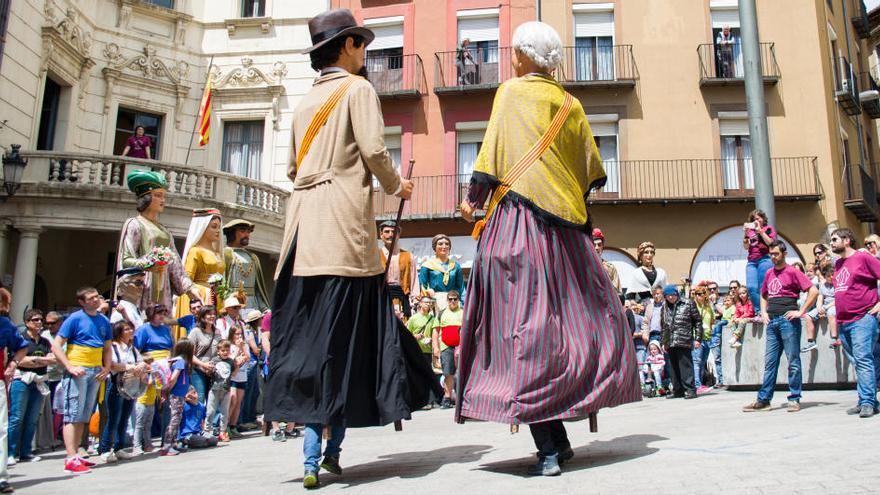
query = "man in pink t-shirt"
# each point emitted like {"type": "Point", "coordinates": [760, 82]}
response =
{"type": "Point", "coordinates": [856, 274]}
{"type": "Point", "coordinates": [782, 286]}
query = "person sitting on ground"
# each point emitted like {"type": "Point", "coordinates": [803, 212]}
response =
{"type": "Point", "coordinates": [191, 428]}
{"type": "Point", "coordinates": [824, 309]}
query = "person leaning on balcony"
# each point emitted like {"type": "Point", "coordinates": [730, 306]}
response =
{"type": "Point", "coordinates": [647, 277]}
{"type": "Point", "coordinates": [462, 56]}
{"type": "Point", "coordinates": [724, 43]}
{"type": "Point", "coordinates": [138, 145]}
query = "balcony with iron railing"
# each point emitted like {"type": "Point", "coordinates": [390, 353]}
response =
{"type": "Point", "coordinates": [397, 77]}
{"type": "Point", "coordinates": [632, 182]}
{"type": "Point", "coordinates": [847, 90]}
{"type": "Point", "coordinates": [861, 194]}
{"type": "Point", "coordinates": [869, 95]}
{"type": "Point", "coordinates": [598, 67]}
{"type": "Point", "coordinates": [722, 64]}
{"type": "Point", "coordinates": [471, 71]}
{"type": "Point", "coordinates": [859, 18]}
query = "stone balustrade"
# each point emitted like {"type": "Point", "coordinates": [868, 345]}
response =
{"type": "Point", "coordinates": [107, 172]}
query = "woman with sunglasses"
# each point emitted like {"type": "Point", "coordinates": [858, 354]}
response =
{"type": "Point", "coordinates": [25, 398]}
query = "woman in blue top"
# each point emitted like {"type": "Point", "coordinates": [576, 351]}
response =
{"type": "Point", "coordinates": [440, 274]}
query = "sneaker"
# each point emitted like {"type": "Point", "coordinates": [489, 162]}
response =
{"type": "Point", "coordinates": [149, 448]}
{"type": "Point", "coordinates": [87, 463]}
{"type": "Point", "coordinates": [279, 436]}
{"type": "Point", "coordinates": [446, 404]}
{"type": "Point", "coordinates": [736, 344]}
{"type": "Point", "coordinates": [75, 466]}
{"type": "Point", "coordinates": [223, 437]}
{"type": "Point", "coordinates": [867, 411]}
{"type": "Point", "coordinates": [690, 394]}
{"type": "Point", "coordinates": [854, 410]}
{"type": "Point", "coordinates": [171, 451]}
{"type": "Point", "coordinates": [93, 449]}
{"type": "Point", "coordinates": [11, 462]}
{"type": "Point", "coordinates": [733, 341]}
{"type": "Point", "coordinates": [720, 386]}
{"type": "Point", "coordinates": [703, 389]}
{"type": "Point", "coordinates": [233, 432]}
{"type": "Point", "coordinates": [811, 344]}
{"type": "Point", "coordinates": [82, 454]}
{"type": "Point", "coordinates": [546, 466]}
{"type": "Point", "coordinates": [835, 344]}
{"type": "Point", "coordinates": [428, 407]}
{"type": "Point", "coordinates": [793, 406]}
{"type": "Point", "coordinates": [108, 457]}
{"type": "Point", "coordinates": [5, 487]}
{"type": "Point", "coordinates": [294, 433]}
{"type": "Point", "coordinates": [758, 405]}
{"type": "Point", "coordinates": [310, 479]}
{"type": "Point", "coordinates": [122, 454]}
{"type": "Point", "coordinates": [136, 451]}
{"type": "Point", "coordinates": [331, 465]}
{"type": "Point", "coordinates": [30, 458]}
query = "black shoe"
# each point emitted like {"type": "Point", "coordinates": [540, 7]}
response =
{"type": "Point", "coordinates": [5, 487]}
{"type": "Point", "coordinates": [565, 455]}
{"type": "Point", "coordinates": [331, 465]}
{"type": "Point", "coordinates": [690, 395]}
{"type": "Point", "coordinates": [295, 433]}
{"type": "Point", "coordinates": [310, 479]}
{"type": "Point", "coordinates": [278, 436]}
{"type": "Point", "coordinates": [446, 404]}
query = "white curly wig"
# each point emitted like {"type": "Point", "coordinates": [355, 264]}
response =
{"type": "Point", "coordinates": [539, 42]}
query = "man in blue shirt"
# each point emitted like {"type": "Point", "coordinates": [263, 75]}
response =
{"type": "Point", "coordinates": [87, 335]}
{"type": "Point", "coordinates": [10, 342]}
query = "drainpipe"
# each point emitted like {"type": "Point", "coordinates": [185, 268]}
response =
{"type": "Point", "coordinates": [538, 10]}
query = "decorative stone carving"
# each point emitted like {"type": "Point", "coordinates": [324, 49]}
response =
{"type": "Point", "coordinates": [264, 23]}
{"type": "Point", "coordinates": [147, 68]}
{"type": "Point", "coordinates": [124, 17]}
{"type": "Point", "coordinates": [67, 48]}
{"type": "Point", "coordinates": [250, 81]}
{"type": "Point", "coordinates": [180, 31]}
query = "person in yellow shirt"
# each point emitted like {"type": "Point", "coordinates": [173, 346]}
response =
{"type": "Point", "coordinates": [444, 340]}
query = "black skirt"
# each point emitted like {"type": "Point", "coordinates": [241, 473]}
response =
{"type": "Point", "coordinates": [339, 354]}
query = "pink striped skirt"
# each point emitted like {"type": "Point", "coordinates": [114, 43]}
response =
{"type": "Point", "coordinates": [544, 335]}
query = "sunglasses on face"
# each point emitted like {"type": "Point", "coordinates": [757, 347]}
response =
{"type": "Point", "coordinates": [53, 322]}
{"type": "Point", "coordinates": [713, 289]}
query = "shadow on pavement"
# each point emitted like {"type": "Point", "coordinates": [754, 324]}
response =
{"type": "Point", "coordinates": [404, 465]}
{"type": "Point", "coordinates": [807, 405]}
{"type": "Point", "coordinates": [593, 455]}
{"type": "Point", "coordinates": [25, 483]}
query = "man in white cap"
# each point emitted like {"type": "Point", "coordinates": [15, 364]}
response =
{"type": "Point", "coordinates": [232, 308]}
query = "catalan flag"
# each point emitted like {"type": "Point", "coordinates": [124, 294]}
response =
{"type": "Point", "coordinates": [205, 115]}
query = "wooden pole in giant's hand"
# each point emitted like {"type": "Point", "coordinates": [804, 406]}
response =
{"type": "Point", "coordinates": [398, 425]}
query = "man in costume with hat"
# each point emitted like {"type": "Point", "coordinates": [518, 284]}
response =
{"type": "Point", "coordinates": [610, 269]}
{"type": "Point", "coordinates": [142, 234]}
{"type": "Point", "coordinates": [340, 356]}
{"type": "Point", "coordinates": [403, 273]}
{"type": "Point", "coordinates": [243, 270]}
{"type": "Point", "coordinates": [129, 290]}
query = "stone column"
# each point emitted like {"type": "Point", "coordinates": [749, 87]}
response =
{"type": "Point", "coordinates": [25, 272]}
{"type": "Point", "coordinates": [4, 247]}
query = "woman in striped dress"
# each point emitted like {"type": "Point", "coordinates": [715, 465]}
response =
{"type": "Point", "coordinates": [544, 337]}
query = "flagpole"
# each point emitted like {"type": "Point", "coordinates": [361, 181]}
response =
{"type": "Point", "coordinates": [192, 134]}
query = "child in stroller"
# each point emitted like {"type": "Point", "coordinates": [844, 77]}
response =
{"type": "Point", "coordinates": [652, 371]}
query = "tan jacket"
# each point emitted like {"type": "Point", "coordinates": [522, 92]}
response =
{"type": "Point", "coordinates": [331, 208]}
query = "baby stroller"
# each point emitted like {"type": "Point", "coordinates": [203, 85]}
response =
{"type": "Point", "coordinates": [652, 379]}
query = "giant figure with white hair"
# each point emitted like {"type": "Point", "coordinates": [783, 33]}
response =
{"type": "Point", "coordinates": [544, 337]}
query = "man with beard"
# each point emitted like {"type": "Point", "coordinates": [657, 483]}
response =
{"type": "Point", "coordinates": [403, 273]}
{"type": "Point", "coordinates": [340, 357]}
{"type": "Point", "coordinates": [243, 270]}
{"type": "Point", "coordinates": [856, 274]}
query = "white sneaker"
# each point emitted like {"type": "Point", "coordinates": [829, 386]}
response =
{"type": "Point", "coordinates": [33, 458]}
{"type": "Point", "coordinates": [108, 457]}
{"type": "Point", "coordinates": [122, 454]}
{"type": "Point", "coordinates": [11, 462]}
{"type": "Point", "coordinates": [736, 344]}
{"type": "Point", "coordinates": [135, 451]}
{"type": "Point", "coordinates": [82, 453]}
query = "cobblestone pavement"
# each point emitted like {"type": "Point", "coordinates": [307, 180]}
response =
{"type": "Point", "coordinates": [655, 446]}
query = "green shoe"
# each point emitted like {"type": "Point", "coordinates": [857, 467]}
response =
{"type": "Point", "coordinates": [310, 479]}
{"type": "Point", "coordinates": [331, 465]}
{"type": "Point", "coordinates": [233, 432]}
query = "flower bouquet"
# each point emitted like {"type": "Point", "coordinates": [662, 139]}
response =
{"type": "Point", "coordinates": [219, 289]}
{"type": "Point", "coordinates": [159, 256]}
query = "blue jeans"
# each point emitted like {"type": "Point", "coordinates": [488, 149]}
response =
{"type": "Point", "coordinates": [80, 395]}
{"type": "Point", "coordinates": [200, 381]}
{"type": "Point", "coordinates": [860, 341]}
{"type": "Point", "coordinates": [755, 271]}
{"type": "Point", "coordinates": [118, 413]}
{"type": "Point", "coordinates": [312, 444]}
{"type": "Point", "coordinates": [251, 395]}
{"type": "Point", "coordinates": [782, 336]}
{"type": "Point", "coordinates": [25, 403]}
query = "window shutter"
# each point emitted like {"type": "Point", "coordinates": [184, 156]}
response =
{"type": "Point", "coordinates": [720, 17]}
{"type": "Point", "coordinates": [387, 37]}
{"type": "Point", "coordinates": [593, 24]}
{"type": "Point", "coordinates": [734, 127]}
{"type": "Point", "coordinates": [478, 29]}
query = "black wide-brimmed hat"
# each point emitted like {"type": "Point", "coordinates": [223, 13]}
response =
{"type": "Point", "coordinates": [333, 24]}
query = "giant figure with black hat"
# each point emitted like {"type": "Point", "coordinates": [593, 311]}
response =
{"type": "Point", "coordinates": [403, 275]}
{"type": "Point", "coordinates": [141, 234]}
{"type": "Point", "coordinates": [340, 357]}
{"type": "Point", "coordinates": [243, 270]}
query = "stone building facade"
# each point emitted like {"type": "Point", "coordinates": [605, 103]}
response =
{"type": "Point", "coordinates": [76, 78]}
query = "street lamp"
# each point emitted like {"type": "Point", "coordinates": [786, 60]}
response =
{"type": "Point", "coordinates": [13, 168]}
